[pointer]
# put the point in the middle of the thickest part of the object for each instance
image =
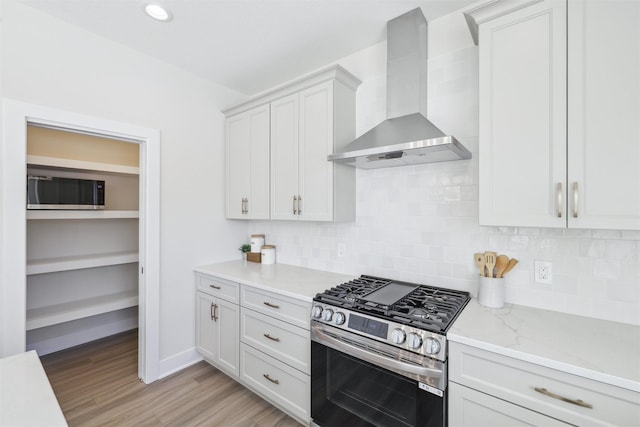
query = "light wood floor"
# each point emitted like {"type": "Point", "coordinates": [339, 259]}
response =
{"type": "Point", "coordinates": [97, 385]}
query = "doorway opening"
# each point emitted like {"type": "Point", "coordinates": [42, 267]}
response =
{"type": "Point", "coordinates": [37, 260]}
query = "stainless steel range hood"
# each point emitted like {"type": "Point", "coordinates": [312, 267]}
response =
{"type": "Point", "coordinates": [406, 136]}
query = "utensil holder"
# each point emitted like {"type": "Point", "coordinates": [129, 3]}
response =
{"type": "Point", "coordinates": [491, 292]}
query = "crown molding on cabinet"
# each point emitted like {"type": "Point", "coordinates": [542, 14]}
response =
{"type": "Point", "coordinates": [491, 10]}
{"type": "Point", "coordinates": [334, 72]}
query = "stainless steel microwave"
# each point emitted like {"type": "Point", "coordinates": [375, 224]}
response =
{"type": "Point", "coordinates": [50, 192]}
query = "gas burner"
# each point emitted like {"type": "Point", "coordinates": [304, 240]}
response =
{"type": "Point", "coordinates": [420, 313]}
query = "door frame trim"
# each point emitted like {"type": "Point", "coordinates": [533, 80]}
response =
{"type": "Point", "coordinates": [16, 116]}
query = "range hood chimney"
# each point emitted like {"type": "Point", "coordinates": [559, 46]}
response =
{"type": "Point", "coordinates": [406, 137]}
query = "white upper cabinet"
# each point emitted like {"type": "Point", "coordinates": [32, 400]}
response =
{"type": "Point", "coordinates": [247, 148]}
{"type": "Point", "coordinates": [559, 108]}
{"type": "Point", "coordinates": [284, 158]}
{"type": "Point", "coordinates": [523, 117]}
{"type": "Point", "coordinates": [308, 119]}
{"type": "Point", "coordinates": [302, 180]}
{"type": "Point", "coordinates": [604, 114]}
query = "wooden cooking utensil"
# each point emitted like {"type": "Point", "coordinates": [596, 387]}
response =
{"type": "Point", "coordinates": [478, 258]}
{"type": "Point", "coordinates": [501, 264]}
{"type": "Point", "coordinates": [490, 262]}
{"type": "Point", "coordinates": [512, 263]}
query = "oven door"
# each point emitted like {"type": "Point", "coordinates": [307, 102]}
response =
{"type": "Point", "coordinates": [360, 382]}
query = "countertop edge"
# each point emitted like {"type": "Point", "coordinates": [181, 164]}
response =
{"type": "Point", "coordinates": [235, 279]}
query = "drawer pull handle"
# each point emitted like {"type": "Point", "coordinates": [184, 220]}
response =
{"type": "Point", "coordinates": [268, 304]}
{"type": "Point", "coordinates": [271, 379]}
{"type": "Point", "coordinates": [271, 338]}
{"type": "Point", "coordinates": [578, 402]}
{"type": "Point", "coordinates": [215, 287]}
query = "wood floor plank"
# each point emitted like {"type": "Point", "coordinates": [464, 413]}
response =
{"type": "Point", "coordinates": [97, 385]}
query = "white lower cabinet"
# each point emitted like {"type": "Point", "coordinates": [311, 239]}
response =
{"type": "Point", "coordinates": [217, 331]}
{"type": "Point", "coordinates": [489, 389]}
{"type": "Point", "coordinates": [263, 342]}
{"type": "Point", "coordinates": [471, 408]}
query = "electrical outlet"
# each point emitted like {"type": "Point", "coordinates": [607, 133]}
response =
{"type": "Point", "coordinates": [342, 248]}
{"type": "Point", "coordinates": [543, 272]}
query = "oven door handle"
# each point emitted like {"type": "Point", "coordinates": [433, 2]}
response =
{"type": "Point", "coordinates": [433, 376]}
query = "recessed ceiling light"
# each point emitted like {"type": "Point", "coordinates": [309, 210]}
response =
{"type": "Point", "coordinates": [158, 12]}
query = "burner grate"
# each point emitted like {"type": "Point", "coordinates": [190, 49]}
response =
{"type": "Point", "coordinates": [426, 307]}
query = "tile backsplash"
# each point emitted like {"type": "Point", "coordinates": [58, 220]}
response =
{"type": "Point", "coordinates": [420, 223]}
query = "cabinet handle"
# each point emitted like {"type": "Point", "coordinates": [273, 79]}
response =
{"type": "Point", "coordinates": [271, 379]}
{"type": "Point", "coordinates": [242, 206]}
{"type": "Point", "coordinates": [575, 200]}
{"type": "Point", "coordinates": [214, 312]}
{"type": "Point", "coordinates": [246, 205]}
{"type": "Point", "coordinates": [268, 304]}
{"type": "Point", "coordinates": [271, 338]}
{"type": "Point", "coordinates": [215, 287]}
{"type": "Point", "coordinates": [295, 210]}
{"type": "Point", "coordinates": [559, 199]}
{"type": "Point", "coordinates": [578, 402]}
{"type": "Point", "coordinates": [299, 204]}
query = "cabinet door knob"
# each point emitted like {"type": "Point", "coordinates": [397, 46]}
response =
{"type": "Point", "coordinates": [214, 312]}
{"type": "Point", "coordinates": [559, 199]}
{"type": "Point", "coordinates": [575, 200]}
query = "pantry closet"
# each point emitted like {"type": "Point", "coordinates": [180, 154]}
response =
{"type": "Point", "coordinates": [82, 265]}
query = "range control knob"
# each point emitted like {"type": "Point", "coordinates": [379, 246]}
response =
{"type": "Point", "coordinates": [327, 315]}
{"type": "Point", "coordinates": [431, 346]}
{"type": "Point", "coordinates": [398, 336]}
{"type": "Point", "coordinates": [339, 318]}
{"type": "Point", "coordinates": [316, 312]}
{"type": "Point", "coordinates": [414, 340]}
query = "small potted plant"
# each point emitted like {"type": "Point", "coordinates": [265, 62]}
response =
{"type": "Point", "coordinates": [245, 249]}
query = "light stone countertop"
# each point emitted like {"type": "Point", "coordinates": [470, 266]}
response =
{"type": "Point", "coordinates": [296, 282]}
{"type": "Point", "coordinates": [26, 397]}
{"type": "Point", "coordinates": [592, 348]}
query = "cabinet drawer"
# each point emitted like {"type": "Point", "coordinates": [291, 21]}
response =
{"type": "Point", "coordinates": [290, 310]}
{"type": "Point", "coordinates": [516, 381]}
{"type": "Point", "coordinates": [287, 343]}
{"type": "Point", "coordinates": [280, 384]}
{"type": "Point", "coordinates": [469, 408]}
{"type": "Point", "coordinates": [215, 286]}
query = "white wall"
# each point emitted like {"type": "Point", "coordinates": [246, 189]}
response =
{"type": "Point", "coordinates": [420, 223]}
{"type": "Point", "coordinates": [51, 63]}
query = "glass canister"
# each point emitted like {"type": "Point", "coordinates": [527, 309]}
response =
{"type": "Point", "coordinates": [257, 241]}
{"type": "Point", "coordinates": [268, 254]}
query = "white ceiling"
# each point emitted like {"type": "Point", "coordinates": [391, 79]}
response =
{"type": "Point", "coordinates": [245, 45]}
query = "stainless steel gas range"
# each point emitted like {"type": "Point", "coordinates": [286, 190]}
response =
{"type": "Point", "coordinates": [379, 353]}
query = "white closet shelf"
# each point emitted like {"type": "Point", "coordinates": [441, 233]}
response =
{"type": "Point", "coordinates": [51, 265]}
{"type": "Point", "coordinates": [80, 164]}
{"type": "Point", "coordinates": [88, 214]}
{"type": "Point", "coordinates": [55, 314]}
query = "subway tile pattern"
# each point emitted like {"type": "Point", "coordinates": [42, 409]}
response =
{"type": "Point", "coordinates": [420, 223]}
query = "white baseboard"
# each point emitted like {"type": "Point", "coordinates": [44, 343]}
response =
{"type": "Point", "coordinates": [178, 362]}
